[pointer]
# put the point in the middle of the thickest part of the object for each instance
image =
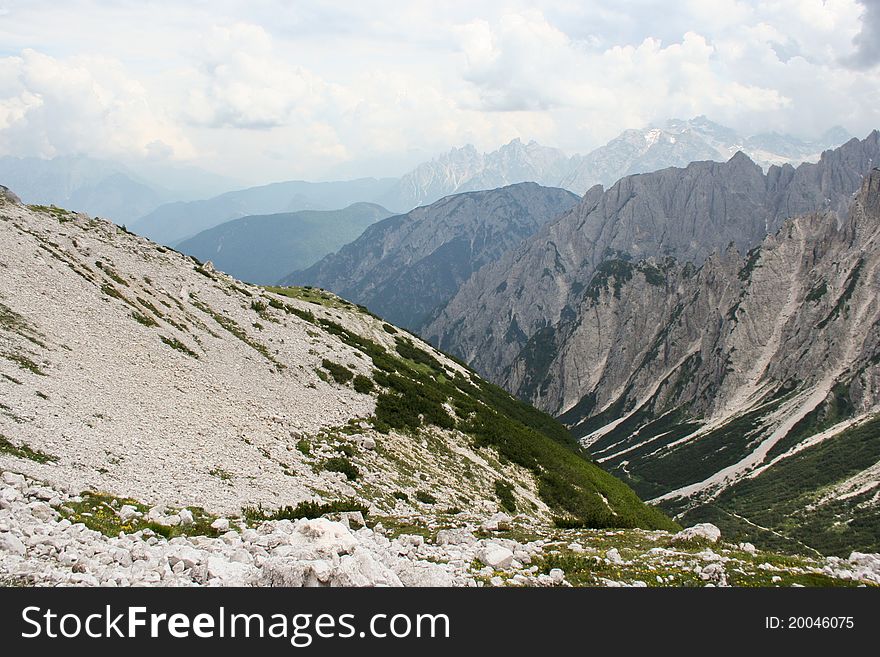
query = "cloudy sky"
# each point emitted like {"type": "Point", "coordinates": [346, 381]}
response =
{"type": "Point", "coordinates": [270, 90]}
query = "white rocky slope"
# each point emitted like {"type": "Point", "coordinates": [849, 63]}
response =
{"type": "Point", "coordinates": [141, 372]}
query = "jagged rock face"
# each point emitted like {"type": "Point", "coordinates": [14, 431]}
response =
{"type": "Point", "coordinates": [405, 266]}
{"type": "Point", "coordinates": [700, 383]}
{"type": "Point", "coordinates": [678, 143]}
{"type": "Point", "coordinates": [683, 213]}
{"type": "Point", "coordinates": [466, 169]}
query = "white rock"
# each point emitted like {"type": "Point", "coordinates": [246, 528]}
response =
{"type": "Point", "coordinates": [557, 576]}
{"type": "Point", "coordinates": [11, 543]}
{"type": "Point", "coordinates": [705, 531]}
{"type": "Point", "coordinates": [496, 556]}
{"type": "Point", "coordinates": [496, 522]}
{"type": "Point", "coordinates": [613, 556]}
{"type": "Point", "coordinates": [13, 479]}
{"type": "Point", "coordinates": [186, 517]}
{"type": "Point", "coordinates": [748, 548]}
{"type": "Point", "coordinates": [220, 524]}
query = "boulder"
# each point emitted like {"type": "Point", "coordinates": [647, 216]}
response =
{"type": "Point", "coordinates": [496, 557]}
{"type": "Point", "coordinates": [704, 531]}
{"type": "Point", "coordinates": [220, 524]}
{"type": "Point", "coordinates": [11, 543]}
{"type": "Point", "coordinates": [497, 522]}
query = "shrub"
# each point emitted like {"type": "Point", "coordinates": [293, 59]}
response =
{"type": "Point", "coordinates": [343, 465]}
{"type": "Point", "coordinates": [504, 491]}
{"type": "Point", "coordinates": [425, 498]}
{"type": "Point", "coordinates": [340, 373]}
{"type": "Point", "coordinates": [304, 446]}
{"type": "Point", "coordinates": [363, 384]}
{"type": "Point", "coordinates": [399, 494]}
{"type": "Point", "coordinates": [303, 510]}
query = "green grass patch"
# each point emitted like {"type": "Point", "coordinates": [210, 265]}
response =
{"type": "Point", "coordinates": [174, 343]}
{"type": "Point", "coordinates": [99, 511]}
{"type": "Point", "coordinates": [24, 451]}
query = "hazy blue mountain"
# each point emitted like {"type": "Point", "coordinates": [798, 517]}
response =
{"type": "Point", "coordinates": [98, 187]}
{"type": "Point", "coordinates": [263, 248]}
{"type": "Point", "coordinates": [174, 222]}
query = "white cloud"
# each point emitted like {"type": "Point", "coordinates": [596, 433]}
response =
{"type": "Point", "coordinates": [84, 104]}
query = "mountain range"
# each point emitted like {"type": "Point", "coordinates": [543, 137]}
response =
{"type": "Point", "coordinates": [677, 143]}
{"type": "Point", "coordinates": [174, 222]}
{"type": "Point", "coordinates": [405, 266]}
{"type": "Point", "coordinates": [105, 188]}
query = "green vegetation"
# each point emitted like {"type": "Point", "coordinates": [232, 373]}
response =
{"type": "Point", "coordinates": [409, 351]}
{"type": "Point", "coordinates": [829, 412]}
{"type": "Point", "coordinates": [614, 272]}
{"type": "Point", "coordinates": [343, 465]}
{"type": "Point", "coordinates": [12, 321]}
{"type": "Point", "coordinates": [60, 214]}
{"type": "Point", "coordinates": [504, 493]}
{"type": "Point", "coordinates": [363, 384]}
{"type": "Point", "coordinates": [817, 292]}
{"type": "Point", "coordinates": [110, 273]}
{"type": "Point", "coordinates": [389, 329]}
{"type": "Point", "coordinates": [304, 446]}
{"type": "Point", "coordinates": [340, 373]}
{"type": "Point", "coordinates": [140, 318]}
{"type": "Point", "coordinates": [303, 510]}
{"type": "Point", "coordinates": [24, 451]}
{"type": "Point", "coordinates": [752, 259]}
{"type": "Point", "coordinates": [23, 362]}
{"type": "Point", "coordinates": [788, 499]}
{"type": "Point", "coordinates": [425, 497]}
{"type": "Point", "coordinates": [312, 295]}
{"type": "Point", "coordinates": [174, 343]}
{"type": "Point", "coordinates": [221, 474]}
{"type": "Point", "coordinates": [99, 511]}
{"type": "Point", "coordinates": [415, 394]}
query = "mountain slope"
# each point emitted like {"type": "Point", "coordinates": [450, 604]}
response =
{"type": "Point", "coordinates": [173, 222]}
{"type": "Point", "coordinates": [747, 391]}
{"type": "Point", "coordinates": [129, 368]}
{"type": "Point", "coordinates": [405, 266]}
{"type": "Point", "coordinates": [263, 248]}
{"type": "Point", "coordinates": [683, 213]}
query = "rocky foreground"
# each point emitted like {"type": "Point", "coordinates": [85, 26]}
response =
{"type": "Point", "coordinates": [49, 537]}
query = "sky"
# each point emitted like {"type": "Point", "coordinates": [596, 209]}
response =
{"type": "Point", "coordinates": [269, 90]}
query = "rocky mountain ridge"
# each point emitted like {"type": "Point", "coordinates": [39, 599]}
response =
{"type": "Point", "coordinates": [405, 266]}
{"type": "Point", "coordinates": [681, 213]}
{"type": "Point", "coordinates": [709, 388]}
